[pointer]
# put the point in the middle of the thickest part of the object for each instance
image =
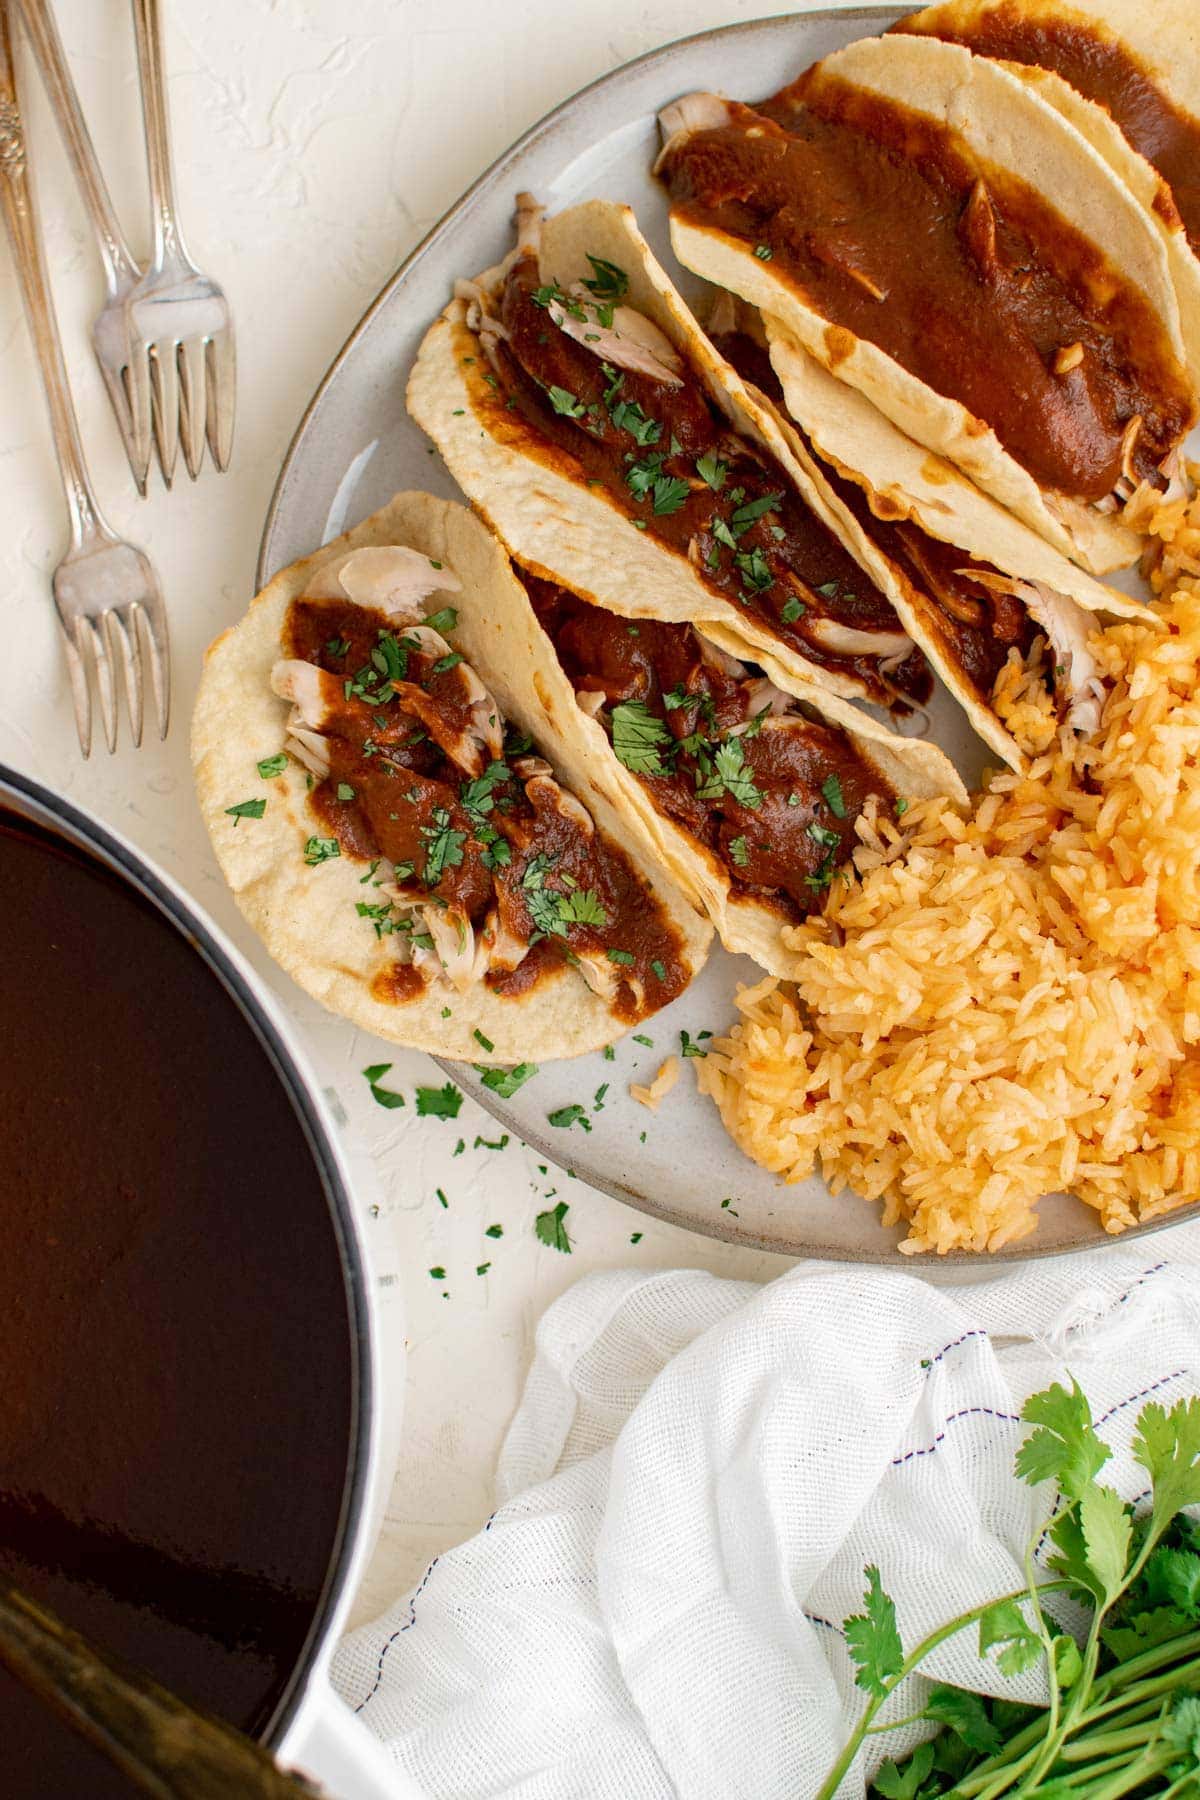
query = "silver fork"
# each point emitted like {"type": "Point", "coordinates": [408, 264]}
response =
{"type": "Point", "coordinates": [110, 332]}
{"type": "Point", "coordinates": [185, 378]}
{"type": "Point", "coordinates": [105, 592]}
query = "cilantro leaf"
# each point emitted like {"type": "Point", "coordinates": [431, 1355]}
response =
{"type": "Point", "coordinates": [319, 850]}
{"type": "Point", "coordinates": [551, 1229]}
{"type": "Point", "coordinates": [611, 283]}
{"type": "Point", "coordinates": [873, 1639]}
{"type": "Point", "coordinates": [1167, 1444]}
{"type": "Point", "coordinates": [382, 1096]}
{"type": "Point", "coordinates": [439, 1103]}
{"type": "Point", "coordinates": [746, 515]}
{"type": "Point", "coordinates": [1107, 1530]}
{"type": "Point", "coordinates": [752, 566]}
{"type": "Point", "coordinates": [1064, 1448]}
{"type": "Point", "coordinates": [670, 492]}
{"type": "Point", "coordinates": [1142, 1631]}
{"type": "Point", "coordinates": [627, 415]}
{"type": "Point", "coordinates": [730, 772]}
{"type": "Point", "coordinates": [273, 765]}
{"type": "Point", "coordinates": [1005, 1624]}
{"type": "Point", "coordinates": [545, 905]}
{"type": "Point", "coordinates": [965, 1714]}
{"type": "Point", "coordinates": [246, 809]}
{"type": "Point", "coordinates": [712, 470]}
{"type": "Point", "coordinates": [636, 736]}
{"type": "Point", "coordinates": [565, 402]}
{"type": "Point", "coordinates": [505, 1082]}
{"type": "Point", "coordinates": [566, 1116]}
{"type": "Point", "coordinates": [582, 907]}
{"type": "Point", "coordinates": [444, 847]}
{"type": "Point", "coordinates": [1181, 1731]}
{"type": "Point", "coordinates": [477, 796]}
{"type": "Point", "coordinates": [791, 610]}
{"type": "Point", "coordinates": [739, 851]}
{"type": "Point", "coordinates": [831, 788]}
{"type": "Point", "coordinates": [444, 620]}
{"type": "Point", "coordinates": [1173, 1577]}
{"type": "Point", "coordinates": [641, 476]}
{"type": "Point", "coordinates": [897, 1783]}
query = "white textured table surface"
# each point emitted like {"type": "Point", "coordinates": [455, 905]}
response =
{"type": "Point", "coordinates": [317, 142]}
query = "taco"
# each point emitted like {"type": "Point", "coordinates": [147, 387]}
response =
{"type": "Point", "coordinates": [578, 404]}
{"type": "Point", "coordinates": [1127, 76]}
{"type": "Point", "coordinates": [751, 796]}
{"type": "Point", "coordinates": [424, 848]}
{"type": "Point", "coordinates": [897, 208]}
{"type": "Point", "coordinates": [1002, 616]}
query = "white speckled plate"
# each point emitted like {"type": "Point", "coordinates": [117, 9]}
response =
{"type": "Point", "coordinates": [356, 446]}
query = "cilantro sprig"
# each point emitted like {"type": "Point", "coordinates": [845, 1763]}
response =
{"type": "Point", "coordinates": [1123, 1714]}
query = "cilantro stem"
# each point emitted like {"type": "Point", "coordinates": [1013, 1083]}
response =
{"type": "Point", "coordinates": [833, 1780]}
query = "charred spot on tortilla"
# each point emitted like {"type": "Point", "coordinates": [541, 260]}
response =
{"type": "Point", "coordinates": [480, 865]}
{"type": "Point", "coordinates": [770, 794]}
{"type": "Point", "coordinates": [596, 390]}
{"type": "Point", "coordinates": [1097, 64]}
{"type": "Point", "coordinates": [985, 280]}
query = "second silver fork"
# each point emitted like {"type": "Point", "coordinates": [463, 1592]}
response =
{"type": "Point", "coordinates": [164, 337]}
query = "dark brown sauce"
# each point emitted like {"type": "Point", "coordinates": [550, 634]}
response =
{"type": "Point", "coordinates": [176, 1402]}
{"type": "Point", "coordinates": [780, 840]}
{"type": "Point", "coordinates": [973, 625]}
{"type": "Point", "coordinates": [786, 568]}
{"type": "Point", "coordinates": [403, 785]}
{"type": "Point", "coordinates": [1102, 68]}
{"type": "Point", "coordinates": [964, 275]}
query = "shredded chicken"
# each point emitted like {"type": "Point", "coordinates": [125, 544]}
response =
{"type": "Point", "coordinates": [684, 117]}
{"type": "Point", "coordinates": [1067, 627]}
{"type": "Point", "coordinates": [632, 341]}
{"type": "Point", "coordinates": [529, 766]}
{"type": "Point", "coordinates": [591, 701]}
{"type": "Point", "coordinates": [979, 228]}
{"type": "Point", "coordinates": [761, 693]}
{"type": "Point", "coordinates": [601, 975]}
{"type": "Point", "coordinates": [313, 692]}
{"type": "Point", "coordinates": [845, 640]}
{"type": "Point", "coordinates": [719, 659]}
{"type": "Point", "coordinates": [309, 748]}
{"type": "Point", "coordinates": [502, 948]}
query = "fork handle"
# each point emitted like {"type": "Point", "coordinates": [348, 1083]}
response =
{"type": "Point", "coordinates": [16, 197]}
{"type": "Point", "coordinates": [120, 264]}
{"type": "Point", "coordinates": [147, 26]}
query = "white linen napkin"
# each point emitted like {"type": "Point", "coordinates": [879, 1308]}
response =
{"type": "Point", "coordinates": [695, 1478]}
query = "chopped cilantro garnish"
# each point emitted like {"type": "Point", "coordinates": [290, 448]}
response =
{"type": "Point", "coordinates": [623, 957]}
{"type": "Point", "coordinates": [658, 969]}
{"type": "Point", "coordinates": [791, 610]}
{"type": "Point", "coordinates": [739, 851]}
{"type": "Point", "coordinates": [246, 809]}
{"type": "Point", "coordinates": [551, 1229]}
{"type": "Point", "coordinates": [901, 806]}
{"type": "Point", "coordinates": [822, 835]}
{"type": "Point", "coordinates": [611, 283]}
{"type": "Point", "coordinates": [827, 589]}
{"type": "Point", "coordinates": [443, 620]}
{"type": "Point", "coordinates": [730, 772]}
{"type": "Point", "coordinates": [763, 252]}
{"type": "Point", "coordinates": [494, 1231]}
{"type": "Point", "coordinates": [745, 515]}
{"type": "Point", "coordinates": [505, 1082]}
{"type": "Point", "coordinates": [485, 1043]}
{"type": "Point", "coordinates": [639, 1037]}
{"type": "Point", "coordinates": [345, 791]}
{"type": "Point", "coordinates": [598, 1097]}
{"type": "Point", "coordinates": [273, 765]}
{"type": "Point", "coordinates": [627, 415]}
{"type": "Point", "coordinates": [439, 1103]}
{"type": "Point", "coordinates": [793, 798]}
{"type": "Point", "coordinates": [711, 469]}
{"type": "Point", "coordinates": [636, 737]}
{"type": "Point", "coordinates": [608, 1053]}
{"type": "Point", "coordinates": [690, 1047]}
{"type": "Point", "coordinates": [437, 1272]}
{"type": "Point", "coordinates": [752, 565]}
{"type": "Point", "coordinates": [444, 847]}
{"type": "Point", "coordinates": [338, 646]}
{"type": "Point", "coordinates": [482, 1268]}
{"type": "Point", "coordinates": [544, 903]}
{"type": "Point", "coordinates": [723, 535]}
{"type": "Point", "coordinates": [500, 1143]}
{"type": "Point", "coordinates": [442, 1198]}
{"type": "Point", "coordinates": [386, 1097]}
{"type": "Point", "coordinates": [582, 908]}
{"type": "Point", "coordinates": [563, 401]}
{"type": "Point", "coordinates": [641, 476]}
{"type": "Point", "coordinates": [635, 1237]}
{"type": "Point", "coordinates": [478, 796]}
{"type": "Point", "coordinates": [497, 855]}
{"type": "Point", "coordinates": [831, 787]}
{"type": "Point", "coordinates": [614, 377]}
{"type": "Point", "coordinates": [670, 493]}
{"type": "Point", "coordinates": [319, 850]}
{"type": "Point", "coordinates": [390, 656]}
{"type": "Point", "coordinates": [566, 1116]}
{"type": "Point", "coordinates": [824, 875]}
{"type": "Point", "coordinates": [444, 663]}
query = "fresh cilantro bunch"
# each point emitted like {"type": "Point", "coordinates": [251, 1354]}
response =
{"type": "Point", "coordinates": [1124, 1711]}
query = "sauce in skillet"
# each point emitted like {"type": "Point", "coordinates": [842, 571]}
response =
{"type": "Point", "coordinates": [176, 1402]}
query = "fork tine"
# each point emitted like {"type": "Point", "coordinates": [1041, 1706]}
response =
{"type": "Point", "coordinates": [138, 394]}
{"type": "Point", "coordinates": [118, 394]}
{"type": "Point", "coordinates": [164, 380]}
{"type": "Point", "coordinates": [192, 399]}
{"type": "Point", "coordinates": [90, 629]}
{"type": "Point", "coordinates": [121, 629]}
{"type": "Point", "coordinates": [222, 395]}
{"type": "Point", "coordinates": [154, 623]}
{"type": "Point", "coordinates": [81, 696]}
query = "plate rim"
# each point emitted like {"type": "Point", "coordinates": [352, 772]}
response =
{"type": "Point", "coordinates": [720, 1229]}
